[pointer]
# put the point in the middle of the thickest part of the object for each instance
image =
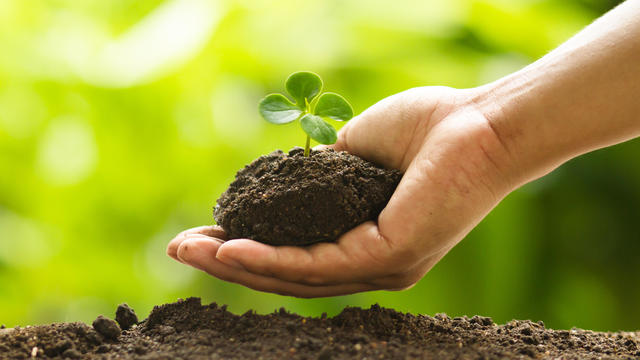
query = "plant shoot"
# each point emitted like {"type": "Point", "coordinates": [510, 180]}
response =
{"type": "Point", "coordinates": [312, 107]}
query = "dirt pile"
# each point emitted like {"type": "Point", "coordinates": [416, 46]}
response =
{"type": "Point", "coordinates": [186, 329]}
{"type": "Point", "coordinates": [289, 199]}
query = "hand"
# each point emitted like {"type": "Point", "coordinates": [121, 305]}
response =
{"type": "Point", "coordinates": [455, 171]}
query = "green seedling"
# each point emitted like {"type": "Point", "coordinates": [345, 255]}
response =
{"type": "Point", "coordinates": [312, 108]}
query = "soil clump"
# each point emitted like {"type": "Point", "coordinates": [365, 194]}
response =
{"type": "Point", "coordinates": [290, 199]}
{"type": "Point", "coordinates": [188, 330]}
{"type": "Point", "coordinates": [106, 327]}
{"type": "Point", "coordinates": [126, 317]}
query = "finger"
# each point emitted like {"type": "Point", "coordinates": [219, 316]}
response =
{"type": "Point", "coordinates": [200, 252]}
{"type": "Point", "coordinates": [360, 255]}
{"type": "Point", "coordinates": [341, 144]}
{"type": "Point", "coordinates": [212, 231]}
{"type": "Point", "coordinates": [172, 250]}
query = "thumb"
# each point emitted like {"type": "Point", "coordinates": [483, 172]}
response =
{"type": "Point", "coordinates": [340, 144]}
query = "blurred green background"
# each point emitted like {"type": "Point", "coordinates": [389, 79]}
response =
{"type": "Point", "coordinates": [121, 122]}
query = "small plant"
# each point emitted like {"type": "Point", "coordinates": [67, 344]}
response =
{"type": "Point", "coordinates": [304, 87]}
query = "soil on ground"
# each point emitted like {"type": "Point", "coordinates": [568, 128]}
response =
{"type": "Point", "coordinates": [188, 330]}
{"type": "Point", "coordinates": [290, 199]}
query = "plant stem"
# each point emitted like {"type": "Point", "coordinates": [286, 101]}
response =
{"type": "Point", "coordinates": [307, 146]}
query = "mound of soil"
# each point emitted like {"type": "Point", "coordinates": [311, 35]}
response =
{"type": "Point", "coordinates": [189, 330]}
{"type": "Point", "coordinates": [289, 199]}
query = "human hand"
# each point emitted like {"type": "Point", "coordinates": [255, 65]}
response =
{"type": "Point", "coordinates": [461, 152]}
{"type": "Point", "coordinates": [455, 171]}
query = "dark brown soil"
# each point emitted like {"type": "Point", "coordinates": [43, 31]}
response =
{"type": "Point", "coordinates": [289, 199]}
{"type": "Point", "coordinates": [188, 330]}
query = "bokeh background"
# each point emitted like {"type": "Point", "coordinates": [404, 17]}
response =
{"type": "Point", "coordinates": [121, 122]}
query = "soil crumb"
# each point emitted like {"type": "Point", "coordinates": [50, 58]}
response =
{"type": "Point", "coordinates": [106, 327]}
{"type": "Point", "coordinates": [289, 199]}
{"type": "Point", "coordinates": [126, 317]}
{"type": "Point", "coordinates": [188, 330]}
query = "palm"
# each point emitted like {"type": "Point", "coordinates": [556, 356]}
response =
{"type": "Point", "coordinates": [445, 151]}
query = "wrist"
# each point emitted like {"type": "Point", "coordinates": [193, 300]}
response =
{"type": "Point", "coordinates": [515, 115]}
{"type": "Point", "coordinates": [576, 99]}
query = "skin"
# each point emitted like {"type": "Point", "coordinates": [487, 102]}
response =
{"type": "Point", "coordinates": [462, 152]}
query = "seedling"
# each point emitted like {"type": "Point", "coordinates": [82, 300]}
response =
{"type": "Point", "coordinates": [305, 89]}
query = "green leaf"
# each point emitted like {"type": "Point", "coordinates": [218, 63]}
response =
{"type": "Point", "coordinates": [277, 109]}
{"type": "Point", "coordinates": [303, 84]}
{"type": "Point", "coordinates": [318, 129]}
{"type": "Point", "coordinates": [333, 106]}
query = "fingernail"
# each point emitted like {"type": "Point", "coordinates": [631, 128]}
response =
{"type": "Point", "coordinates": [188, 254]}
{"type": "Point", "coordinates": [185, 250]}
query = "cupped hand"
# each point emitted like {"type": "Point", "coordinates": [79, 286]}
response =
{"type": "Point", "coordinates": [455, 171]}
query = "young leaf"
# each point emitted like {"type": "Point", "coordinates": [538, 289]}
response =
{"type": "Point", "coordinates": [303, 84]}
{"type": "Point", "coordinates": [318, 129]}
{"type": "Point", "coordinates": [333, 106]}
{"type": "Point", "coordinates": [277, 109]}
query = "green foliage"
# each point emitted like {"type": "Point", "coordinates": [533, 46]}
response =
{"type": "Point", "coordinates": [304, 86]}
{"type": "Point", "coordinates": [333, 106]}
{"type": "Point", "coordinates": [277, 109]}
{"type": "Point", "coordinates": [318, 129]}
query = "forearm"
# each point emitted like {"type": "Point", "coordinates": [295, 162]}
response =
{"type": "Point", "coordinates": [582, 96]}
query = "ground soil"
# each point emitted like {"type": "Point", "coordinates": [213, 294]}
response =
{"type": "Point", "coordinates": [188, 330]}
{"type": "Point", "coordinates": [289, 199]}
